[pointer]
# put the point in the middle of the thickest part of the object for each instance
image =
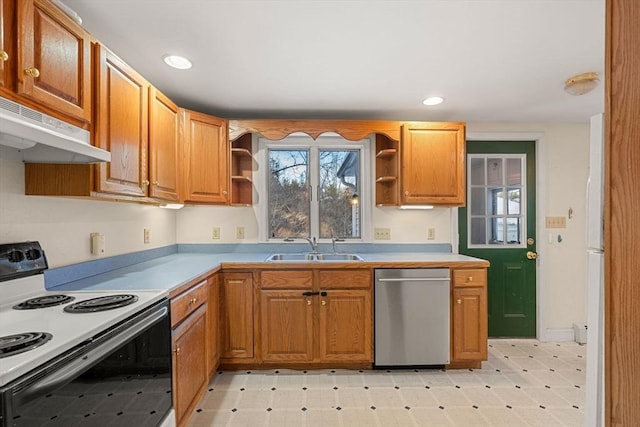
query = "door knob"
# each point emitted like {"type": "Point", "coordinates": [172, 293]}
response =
{"type": "Point", "coordinates": [532, 255]}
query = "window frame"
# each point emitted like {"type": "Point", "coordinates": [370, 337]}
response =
{"type": "Point", "coordinates": [326, 143]}
{"type": "Point", "coordinates": [523, 200]}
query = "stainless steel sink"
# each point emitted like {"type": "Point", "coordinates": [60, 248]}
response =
{"type": "Point", "coordinates": [291, 257]}
{"type": "Point", "coordinates": [339, 257]}
{"type": "Point", "coordinates": [313, 257]}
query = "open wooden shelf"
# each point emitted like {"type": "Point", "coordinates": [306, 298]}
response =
{"type": "Point", "coordinates": [242, 171]}
{"type": "Point", "coordinates": [387, 169]}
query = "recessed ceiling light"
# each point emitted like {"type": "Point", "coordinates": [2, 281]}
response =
{"type": "Point", "coordinates": [433, 100]}
{"type": "Point", "coordinates": [177, 61]}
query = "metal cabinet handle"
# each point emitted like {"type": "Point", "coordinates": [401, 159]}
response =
{"type": "Point", "coordinates": [145, 182]}
{"type": "Point", "coordinates": [323, 302]}
{"type": "Point", "coordinates": [4, 56]}
{"type": "Point", "coordinates": [177, 350]}
{"type": "Point", "coordinates": [308, 302]}
{"type": "Point", "coordinates": [32, 72]}
{"type": "Point", "coordinates": [459, 301]}
{"type": "Point", "coordinates": [156, 182]}
{"type": "Point", "coordinates": [225, 192]}
{"type": "Point", "coordinates": [470, 279]}
{"type": "Point", "coordinates": [310, 293]}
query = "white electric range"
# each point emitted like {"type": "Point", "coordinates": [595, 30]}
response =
{"type": "Point", "coordinates": [46, 348]}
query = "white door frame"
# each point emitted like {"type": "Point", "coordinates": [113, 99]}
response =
{"type": "Point", "coordinates": [542, 332]}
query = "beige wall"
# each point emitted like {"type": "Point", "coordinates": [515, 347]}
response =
{"type": "Point", "coordinates": [563, 158]}
{"type": "Point", "coordinates": [63, 225]}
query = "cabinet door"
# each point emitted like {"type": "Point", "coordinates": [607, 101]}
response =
{"type": "Point", "coordinates": [433, 159]}
{"type": "Point", "coordinates": [189, 364]}
{"type": "Point", "coordinates": [54, 66]}
{"type": "Point", "coordinates": [121, 124]}
{"type": "Point", "coordinates": [469, 324]}
{"type": "Point", "coordinates": [7, 52]}
{"type": "Point", "coordinates": [206, 159]}
{"type": "Point", "coordinates": [287, 326]}
{"type": "Point", "coordinates": [163, 147]}
{"type": "Point", "coordinates": [236, 315]}
{"type": "Point", "coordinates": [213, 324]}
{"type": "Point", "coordinates": [346, 326]}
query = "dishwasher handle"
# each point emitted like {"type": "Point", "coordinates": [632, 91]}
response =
{"type": "Point", "coordinates": [414, 279]}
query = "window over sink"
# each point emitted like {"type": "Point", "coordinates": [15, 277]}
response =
{"type": "Point", "coordinates": [314, 188]}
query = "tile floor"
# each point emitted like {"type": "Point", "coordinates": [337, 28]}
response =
{"type": "Point", "coordinates": [524, 383]}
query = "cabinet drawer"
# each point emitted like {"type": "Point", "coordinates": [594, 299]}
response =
{"type": "Point", "coordinates": [286, 279]}
{"type": "Point", "coordinates": [187, 302]}
{"type": "Point", "coordinates": [345, 279]}
{"type": "Point", "coordinates": [470, 277]}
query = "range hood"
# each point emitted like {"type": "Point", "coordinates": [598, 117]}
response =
{"type": "Point", "coordinates": [44, 139]}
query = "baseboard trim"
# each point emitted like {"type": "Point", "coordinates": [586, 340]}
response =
{"type": "Point", "coordinates": [557, 335]}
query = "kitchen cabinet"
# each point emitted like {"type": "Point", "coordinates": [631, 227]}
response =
{"type": "Point", "coordinates": [469, 316]}
{"type": "Point", "coordinates": [205, 158]}
{"type": "Point", "coordinates": [189, 337]}
{"type": "Point", "coordinates": [433, 164]}
{"type": "Point", "coordinates": [242, 171]}
{"type": "Point", "coordinates": [236, 316]}
{"type": "Point", "coordinates": [121, 126]}
{"type": "Point", "coordinates": [316, 316]}
{"type": "Point", "coordinates": [213, 324]}
{"type": "Point", "coordinates": [53, 59]}
{"type": "Point", "coordinates": [163, 147]}
{"type": "Point", "coordinates": [387, 177]}
{"type": "Point", "coordinates": [7, 50]}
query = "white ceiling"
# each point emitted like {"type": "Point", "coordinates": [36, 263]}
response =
{"type": "Point", "coordinates": [492, 60]}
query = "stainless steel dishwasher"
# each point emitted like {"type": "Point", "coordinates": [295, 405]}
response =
{"type": "Point", "coordinates": [411, 317]}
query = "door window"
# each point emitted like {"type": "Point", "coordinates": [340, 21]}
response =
{"type": "Point", "coordinates": [497, 193]}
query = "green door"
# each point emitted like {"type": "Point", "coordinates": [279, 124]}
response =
{"type": "Point", "coordinates": [499, 224]}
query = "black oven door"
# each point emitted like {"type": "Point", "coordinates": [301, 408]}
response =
{"type": "Point", "coordinates": [121, 377]}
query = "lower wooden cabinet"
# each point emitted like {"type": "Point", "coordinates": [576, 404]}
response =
{"type": "Point", "coordinates": [213, 325]}
{"type": "Point", "coordinates": [286, 326]}
{"type": "Point", "coordinates": [236, 316]}
{"type": "Point", "coordinates": [346, 326]}
{"type": "Point", "coordinates": [189, 363]}
{"type": "Point", "coordinates": [469, 331]}
{"type": "Point", "coordinates": [317, 323]}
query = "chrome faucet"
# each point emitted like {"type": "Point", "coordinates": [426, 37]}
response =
{"type": "Point", "coordinates": [313, 243]}
{"type": "Point", "coordinates": [333, 243]}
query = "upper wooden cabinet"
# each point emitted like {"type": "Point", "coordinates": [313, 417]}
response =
{"type": "Point", "coordinates": [433, 164]}
{"type": "Point", "coordinates": [121, 125]}
{"type": "Point", "coordinates": [7, 50]}
{"type": "Point", "coordinates": [163, 147]}
{"type": "Point", "coordinates": [53, 61]}
{"type": "Point", "coordinates": [205, 158]}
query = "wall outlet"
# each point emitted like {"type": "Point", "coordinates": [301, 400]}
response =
{"type": "Point", "coordinates": [382, 234]}
{"type": "Point", "coordinates": [239, 232]}
{"type": "Point", "coordinates": [556, 222]}
{"type": "Point", "coordinates": [215, 233]}
{"type": "Point", "coordinates": [431, 233]}
{"type": "Point", "coordinates": [97, 244]}
{"type": "Point", "coordinates": [147, 232]}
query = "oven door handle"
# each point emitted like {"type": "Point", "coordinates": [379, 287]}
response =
{"type": "Point", "coordinates": [90, 358]}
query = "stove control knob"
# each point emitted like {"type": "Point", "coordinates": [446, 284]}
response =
{"type": "Point", "coordinates": [15, 256]}
{"type": "Point", "coordinates": [33, 253]}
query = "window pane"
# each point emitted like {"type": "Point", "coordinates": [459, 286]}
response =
{"type": "Point", "coordinates": [477, 171]}
{"type": "Point", "coordinates": [477, 201]}
{"type": "Point", "coordinates": [514, 171]}
{"type": "Point", "coordinates": [496, 231]}
{"type": "Point", "coordinates": [513, 202]}
{"type": "Point", "coordinates": [289, 193]}
{"type": "Point", "coordinates": [494, 172]}
{"type": "Point", "coordinates": [495, 197]}
{"type": "Point", "coordinates": [478, 231]}
{"type": "Point", "coordinates": [339, 193]}
{"type": "Point", "coordinates": [513, 231]}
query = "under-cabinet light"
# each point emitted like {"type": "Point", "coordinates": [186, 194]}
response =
{"type": "Point", "coordinates": [172, 206]}
{"type": "Point", "coordinates": [422, 207]}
